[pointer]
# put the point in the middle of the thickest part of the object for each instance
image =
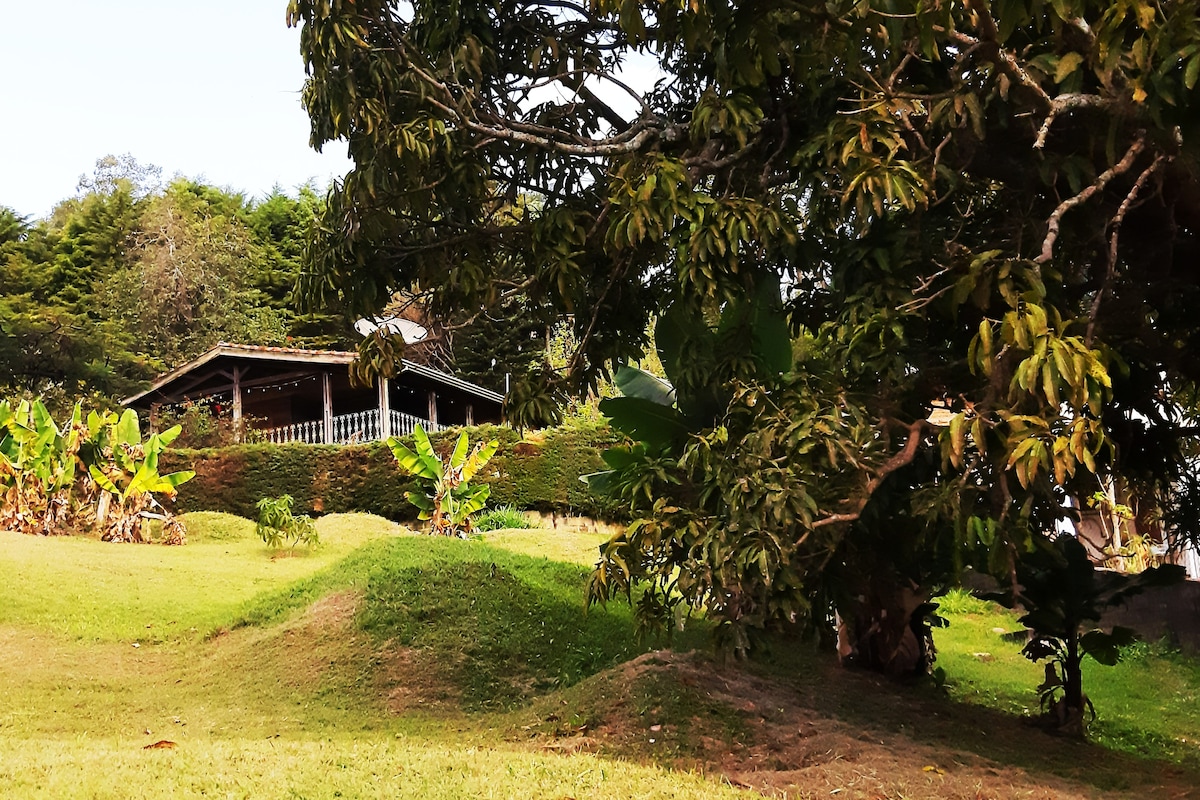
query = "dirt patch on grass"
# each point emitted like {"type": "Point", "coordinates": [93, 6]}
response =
{"type": "Point", "coordinates": [333, 613]}
{"type": "Point", "coordinates": [414, 682]}
{"type": "Point", "coordinates": [296, 654]}
{"type": "Point", "coordinates": [814, 737]}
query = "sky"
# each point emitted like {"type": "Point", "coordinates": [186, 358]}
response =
{"type": "Point", "coordinates": [209, 90]}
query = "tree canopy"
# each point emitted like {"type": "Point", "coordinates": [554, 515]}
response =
{"type": "Point", "coordinates": [132, 277]}
{"type": "Point", "coordinates": [990, 207]}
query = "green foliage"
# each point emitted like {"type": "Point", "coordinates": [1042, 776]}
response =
{"type": "Point", "coordinates": [500, 518]}
{"type": "Point", "coordinates": [205, 423]}
{"type": "Point", "coordinates": [49, 477]}
{"type": "Point", "coordinates": [537, 472]}
{"type": "Point", "coordinates": [753, 499]}
{"type": "Point", "coordinates": [38, 463]}
{"type": "Point", "coordinates": [509, 341]}
{"type": "Point", "coordinates": [133, 276]}
{"type": "Point", "coordinates": [959, 601]}
{"type": "Point", "coordinates": [277, 525]}
{"type": "Point", "coordinates": [978, 206]}
{"type": "Point", "coordinates": [1064, 597]}
{"type": "Point", "coordinates": [125, 469]}
{"type": "Point", "coordinates": [449, 499]}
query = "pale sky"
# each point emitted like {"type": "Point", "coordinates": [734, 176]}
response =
{"type": "Point", "coordinates": [209, 89]}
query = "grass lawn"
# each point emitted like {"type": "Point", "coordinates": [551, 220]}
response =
{"type": "Point", "coordinates": [389, 665]}
{"type": "Point", "coordinates": [91, 590]}
{"type": "Point", "coordinates": [1148, 704]}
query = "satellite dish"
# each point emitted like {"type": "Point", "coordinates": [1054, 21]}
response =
{"type": "Point", "coordinates": [410, 331]}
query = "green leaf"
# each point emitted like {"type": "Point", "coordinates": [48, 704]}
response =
{"type": "Point", "coordinates": [410, 462]}
{"type": "Point", "coordinates": [634, 382]}
{"type": "Point", "coordinates": [169, 435]}
{"type": "Point", "coordinates": [646, 421]}
{"type": "Point", "coordinates": [1192, 72]}
{"type": "Point", "coordinates": [1106, 647]}
{"type": "Point", "coordinates": [675, 328]}
{"type": "Point", "coordinates": [426, 452]}
{"type": "Point", "coordinates": [102, 480]}
{"type": "Point", "coordinates": [1066, 65]}
{"type": "Point", "coordinates": [460, 451]}
{"type": "Point", "coordinates": [128, 431]}
{"type": "Point", "coordinates": [420, 501]}
{"type": "Point", "coordinates": [772, 342]}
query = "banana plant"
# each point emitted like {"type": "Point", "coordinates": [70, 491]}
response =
{"type": "Point", "coordinates": [449, 500]}
{"type": "Point", "coordinates": [126, 470]}
{"type": "Point", "coordinates": [37, 467]}
{"type": "Point", "coordinates": [1064, 597]}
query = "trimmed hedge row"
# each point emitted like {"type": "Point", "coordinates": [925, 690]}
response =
{"type": "Point", "coordinates": [539, 471]}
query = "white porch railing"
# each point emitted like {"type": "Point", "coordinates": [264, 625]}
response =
{"type": "Point", "coordinates": [312, 432]}
{"type": "Point", "coordinates": [361, 426]}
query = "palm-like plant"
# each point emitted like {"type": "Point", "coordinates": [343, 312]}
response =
{"type": "Point", "coordinates": [450, 499]}
{"type": "Point", "coordinates": [126, 470]}
{"type": "Point", "coordinates": [1064, 597]}
{"type": "Point", "coordinates": [37, 467]}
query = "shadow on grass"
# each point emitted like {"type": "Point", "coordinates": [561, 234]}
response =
{"type": "Point", "coordinates": [927, 715]}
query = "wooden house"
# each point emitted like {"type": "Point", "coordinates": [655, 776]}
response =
{"type": "Point", "coordinates": [291, 395]}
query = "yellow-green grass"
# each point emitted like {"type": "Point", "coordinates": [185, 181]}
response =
{"type": "Point", "coordinates": [574, 547]}
{"type": "Point", "coordinates": [395, 666]}
{"type": "Point", "coordinates": [120, 592]}
{"type": "Point", "coordinates": [342, 767]}
{"type": "Point", "coordinates": [1148, 704]}
{"type": "Point", "coordinates": [294, 691]}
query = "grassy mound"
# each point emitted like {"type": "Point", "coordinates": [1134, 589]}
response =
{"type": "Point", "coordinates": [389, 665]}
{"type": "Point", "coordinates": [501, 626]}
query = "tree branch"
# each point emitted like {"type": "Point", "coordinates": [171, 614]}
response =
{"type": "Point", "coordinates": [618, 145]}
{"type": "Point", "coordinates": [1068, 102]}
{"type": "Point", "coordinates": [1121, 167]}
{"type": "Point", "coordinates": [1003, 59]}
{"type": "Point", "coordinates": [901, 459]}
{"type": "Point", "coordinates": [1126, 204]}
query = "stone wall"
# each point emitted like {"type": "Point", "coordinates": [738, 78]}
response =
{"type": "Point", "coordinates": [1172, 612]}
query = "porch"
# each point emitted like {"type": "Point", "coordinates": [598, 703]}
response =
{"type": "Point", "coordinates": [291, 395]}
{"type": "Point", "coordinates": [359, 427]}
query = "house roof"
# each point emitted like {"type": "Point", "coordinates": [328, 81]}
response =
{"type": "Point", "coordinates": [294, 355]}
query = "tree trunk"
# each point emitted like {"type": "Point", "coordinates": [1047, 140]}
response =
{"type": "Point", "coordinates": [1073, 701]}
{"type": "Point", "coordinates": [878, 631]}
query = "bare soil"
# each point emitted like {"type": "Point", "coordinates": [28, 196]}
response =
{"type": "Point", "coordinates": [840, 734]}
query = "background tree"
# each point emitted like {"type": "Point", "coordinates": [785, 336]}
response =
{"type": "Point", "coordinates": [501, 343]}
{"type": "Point", "coordinates": [990, 205]}
{"type": "Point", "coordinates": [131, 278]}
{"type": "Point", "coordinates": [189, 280]}
{"type": "Point", "coordinates": [281, 225]}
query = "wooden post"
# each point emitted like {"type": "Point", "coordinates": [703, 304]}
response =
{"type": "Point", "coordinates": [470, 414]}
{"type": "Point", "coordinates": [237, 404]}
{"type": "Point", "coordinates": [385, 409]}
{"type": "Point", "coordinates": [433, 407]}
{"type": "Point", "coordinates": [154, 407]}
{"type": "Point", "coordinates": [327, 406]}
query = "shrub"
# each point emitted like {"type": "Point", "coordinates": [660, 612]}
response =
{"type": "Point", "coordinates": [448, 499]}
{"type": "Point", "coordinates": [56, 479]}
{"type": "Point", "coordinates": [539, 471]}
{"type": "Point", "coordinates": [503, 517]}
{"type": "Point", "coordinates": [204, 423]}
{"type": "Point", "coordinates": [277, 525]}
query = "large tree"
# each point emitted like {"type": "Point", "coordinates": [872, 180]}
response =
{"type": "Point", "coordinates": [988, 206]}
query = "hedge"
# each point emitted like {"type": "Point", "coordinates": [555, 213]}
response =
{"type": "Point", "coordinates": [539, 471]}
